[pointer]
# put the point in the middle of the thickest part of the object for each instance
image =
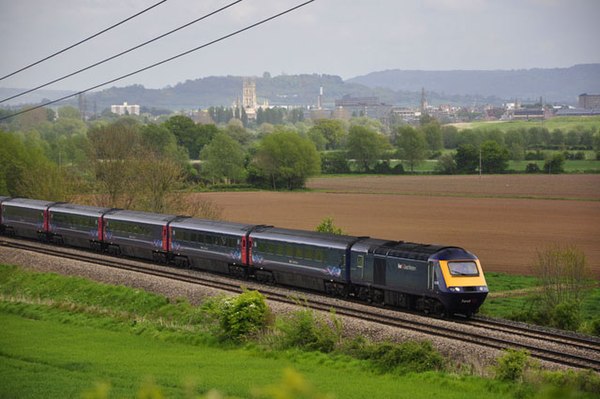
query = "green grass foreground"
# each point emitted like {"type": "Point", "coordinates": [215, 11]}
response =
{"type": "Point", "coordinates": [67, 337]}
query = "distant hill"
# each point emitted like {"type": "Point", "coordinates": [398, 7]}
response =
{"type": "Point", "coordinates": [295, 90]}
{"type": "Point", "coordinates": [394, 87]}
{"type": "Point", "coordinates": [554, 85]}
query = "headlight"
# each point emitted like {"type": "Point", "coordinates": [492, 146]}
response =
{"type": "Point", "coordinates": [454, 289]}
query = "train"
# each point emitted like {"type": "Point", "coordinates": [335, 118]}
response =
{"type": "Point", "coordinates": [434, 279]}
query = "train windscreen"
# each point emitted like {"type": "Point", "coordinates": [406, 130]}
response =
{"type": "Point", "coordinates": [463, 268]}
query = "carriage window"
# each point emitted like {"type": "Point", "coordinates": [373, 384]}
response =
{"type": "Point", "coordinates": [360, 262]}
{"type": "Point", "coordinates": [463, 268]}
{"type": "Point", "coordinates": [319, 255]}
{"type": "Point", "coordinates": [309, 253]}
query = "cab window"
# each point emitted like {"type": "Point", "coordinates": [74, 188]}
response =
{"type": "Point", "coordinates": [463, 268]}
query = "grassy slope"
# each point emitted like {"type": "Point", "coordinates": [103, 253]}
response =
{"type": "Point", "coordinates": [52, 359]}
{"type": "Point", "coordinates": [64, 336]}
{"type": "Point", "coordinates": [61, 336]}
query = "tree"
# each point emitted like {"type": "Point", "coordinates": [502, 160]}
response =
{"type": "Point", "coordinates": [334, 162]}
{"type": "Point", "coordinates": [446, 165]}
{"type": "Point", "coordinates": [327, 226]}
{"type": "Point", "coordinates": [224, 159]}
{"type": "Point", "coordinates": [449, 136]}
{"type": "Point", "coordinates": [285, 159]}
{"type": "Point", "coordinates": [412, 145]}
{"type": "Point", "coordinates": [467, 158]}
{"type": "Point", "coordinates": [236, 130]}
{"type": "Point", "coordinates": [185, 131]}
{"type": "Point", "coordinates": [205, 134]}
{"type": "Point", "coordinates": [114, 148]}
{"type": "Point", "coordinates": [68, 112]}
{"type": "Point", "coordinates": [554, 164]}
{"type": "Point", "coordinates": [433, 135]}
{"type": "Point", "coordinates": [494, 157]}
{"type": "Point", "coordinates": [366, 146]}
{"type": "Point", "coordinates": [159, 140]}
{"type": "Point", "coordinates": [21, 165]}
{"type": "Point", "coordinates": [332, 130]}
{"type": "Point", "coordinates": [153, 181]}
{"type": "Point", "coordinates": [563, 273]}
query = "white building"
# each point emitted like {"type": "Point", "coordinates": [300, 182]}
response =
{"type": "Point", "coordinates": [125, 109]}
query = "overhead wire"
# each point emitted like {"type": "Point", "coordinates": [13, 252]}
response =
{"type": "Point", "coordinates": [123, 52]}
{"type": "Point", "coordinates": [83, 41]}
{"type": "Point", "coordinates": [237, 32]}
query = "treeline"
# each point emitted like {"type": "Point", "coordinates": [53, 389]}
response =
{"type": "Point", "coordinates": [127, 161]}
{"type": "Point", "coordinates": [274, 116]}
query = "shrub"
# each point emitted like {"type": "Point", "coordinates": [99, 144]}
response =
{"type": "Point", "coordinates": [532, 168]}
{"type": "Point", "coordinates": [570, 380]}
{"type": "Point", "coordinates": [327, 226]}
{"type": "Point", "coordinates": [555, 164]}
{"type": "Point", "coordinates": [244, 315]}
{"type": "Point", "coordinates": [306, 330]}
{"type": "Point", "coordinates": [566, 315]}
{"type": "Point", "coordinates": [410, 356]}
{"type": "Point", "coordinates": [511, 366]}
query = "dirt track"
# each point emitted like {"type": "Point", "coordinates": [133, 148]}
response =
{"type": "Point", "coordinates": [503, 232]}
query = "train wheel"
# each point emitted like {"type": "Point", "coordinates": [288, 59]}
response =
{"type": "Point", "coordinates": [238, 271]}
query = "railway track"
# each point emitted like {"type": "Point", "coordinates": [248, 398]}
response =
{"type": "Point", "coordinates": [551, 346]}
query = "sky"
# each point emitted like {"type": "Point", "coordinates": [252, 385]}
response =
{"type": "Point", "coordinates": [338, 37]}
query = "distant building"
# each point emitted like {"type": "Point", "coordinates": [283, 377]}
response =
{"type": "Point", "coordinates": [528, 113]}
{"type": "Point", "coordinates": [362, 106]}
{"type": "Point", "coordinates": [589, 101]}
{"type": "Point", "coordinates": [249, 102]}
{"type": "Point", "coordinates": [125, 109]}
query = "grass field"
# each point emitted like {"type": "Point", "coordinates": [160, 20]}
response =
{"type": "Point", "coordinates": [570, 166]}
{"type": "Point", "coordinates": [65, 337]}
{"type": "Point", "coordinates": [563, 123]}
{"type": "Point", "coordinates": [514, 294]}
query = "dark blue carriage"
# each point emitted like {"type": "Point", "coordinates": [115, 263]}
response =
{"type": "Point", "coordinates": [2, 199]}
{"type": "Point", "coordinates": [209, 245]}
{"type": "Point", "coordinates": [137, 234]}
{"type": "Point", "coordinates": [77, 225]}
{"type": "Point", "coordinates": [26, 217]}
{"type": "Point", "coordinates": [298, 258]}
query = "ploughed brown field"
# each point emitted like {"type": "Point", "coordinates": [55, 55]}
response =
{"type": "Point", "coordinates": [503, 219]}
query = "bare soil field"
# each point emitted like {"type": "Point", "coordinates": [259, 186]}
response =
{"type": "Point", "coordinates": [504, 232]}
{"type": "Point", "coordinates": [506, 186]}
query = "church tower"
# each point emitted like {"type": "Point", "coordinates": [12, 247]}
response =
{"type": "Point", "coordinates": [249, 94]}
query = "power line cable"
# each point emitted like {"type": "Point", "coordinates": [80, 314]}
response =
{"type": "Point", "coordinates": [123, 52]}
{"type": "Point", "coordinates": [82, 41]}
{"type": "Point", "coordinates": [237, 32]}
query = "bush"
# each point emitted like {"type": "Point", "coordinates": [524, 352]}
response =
{"type": "Point", "coordinates": [566, 315]}
{"type": "Point", "coordinates": [327, 226]}
{"type": "Point", "coordinates": [410, 356]}
{"type": "Point", "coordinates": [511, 366]}
{"type": "Point", "coordinates": [555, 164]}
{"type": "Point", "coordinates": [583, 381]}
{"type": "Point", "coordinates": [532, 168]}
{"type": "Point", "coordinates": [243, 316]}
{"type": "Point", "coordinates": [306, 330]}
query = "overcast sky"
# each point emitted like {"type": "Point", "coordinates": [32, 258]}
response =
{"type": "Point", "coordinates": [339, 37]}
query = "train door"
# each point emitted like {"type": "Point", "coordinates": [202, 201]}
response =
{"type": "Point", "coordinates": [432, 278]}
{"type": "Point", "coordinates": [379, 271]}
